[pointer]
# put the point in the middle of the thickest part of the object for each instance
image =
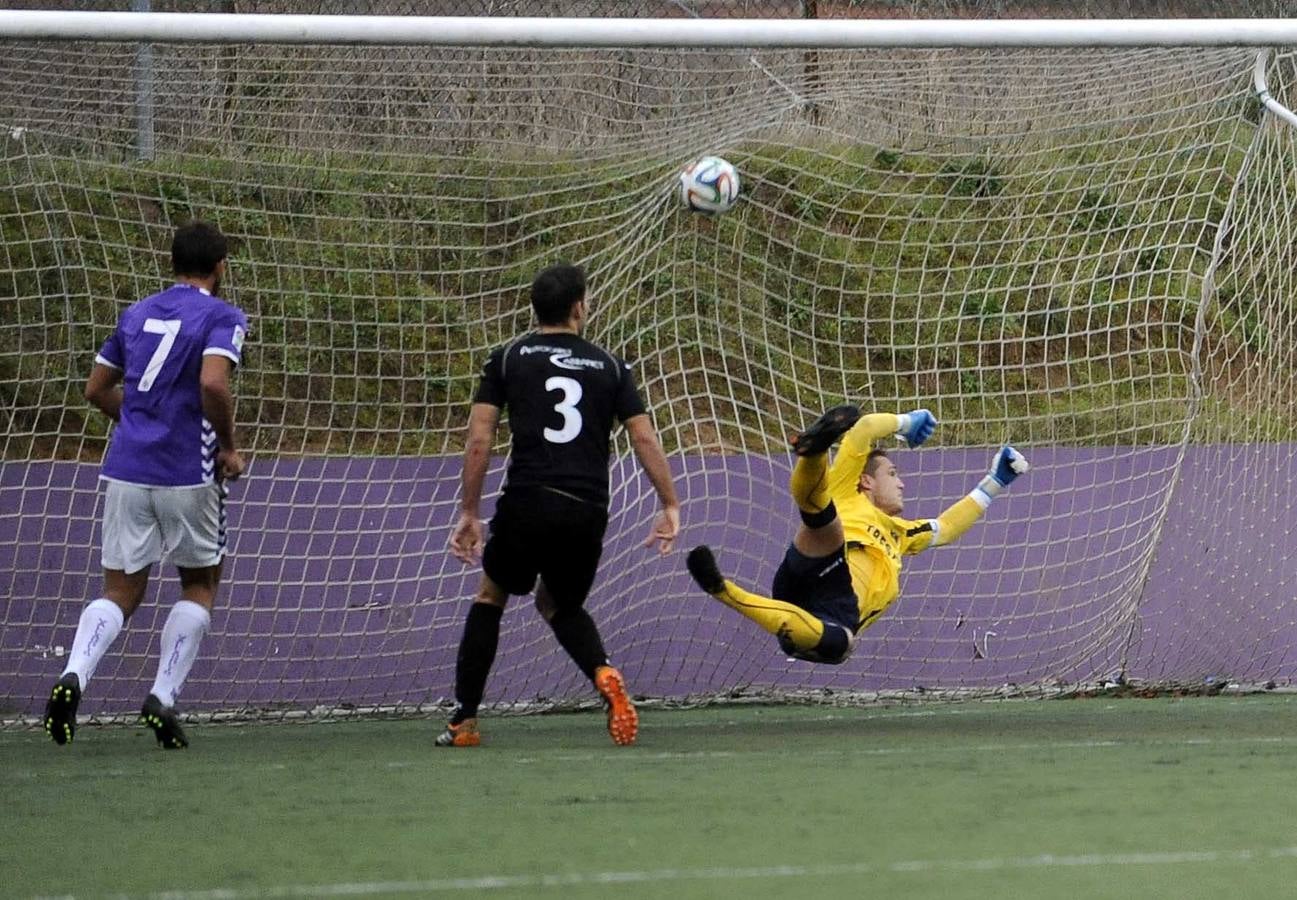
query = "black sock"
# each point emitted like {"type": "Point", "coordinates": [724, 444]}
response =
{"type": "Point", "coordinates": [821, 518]}
{"type": "Point", "coordinates": [577, 633]}
{"type": "Point", "coordinates": [476, 653]}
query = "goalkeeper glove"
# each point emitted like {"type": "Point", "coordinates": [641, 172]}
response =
{"type": "Point", "coordinates": [916, 427]}
{"type": "Point", "coordinates": [1007, 465]}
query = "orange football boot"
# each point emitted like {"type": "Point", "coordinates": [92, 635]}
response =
{"type": "Point", "coordinates": [623, 721]}
{"type": "Point", "coordinates": [465, 734]}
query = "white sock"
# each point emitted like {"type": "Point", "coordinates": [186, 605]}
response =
{"type": "Point", "coordinates": [101, 622]}
{"type": "Point", "coordinates": [184, 629]}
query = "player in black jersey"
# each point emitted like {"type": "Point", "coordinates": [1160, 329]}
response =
{"type": "Point", "coordinates": [563, 395]}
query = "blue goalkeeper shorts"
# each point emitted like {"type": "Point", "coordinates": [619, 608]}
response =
{"type": "Point", "coordinates": [821, 585]}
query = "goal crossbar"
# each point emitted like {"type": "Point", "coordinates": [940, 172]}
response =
{"type": "Point", "coordinates": [613, 32]}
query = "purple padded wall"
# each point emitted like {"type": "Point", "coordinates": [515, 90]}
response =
{"type": "Point", "coordinates": [339, 590]}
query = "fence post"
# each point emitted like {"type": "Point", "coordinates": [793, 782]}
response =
{"type": "Point", "coordinates": [811, 65]}
{"type": "Point", "coordinates": [143, 91]}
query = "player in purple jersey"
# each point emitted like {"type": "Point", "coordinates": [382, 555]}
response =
{"type": "Point", "coordinates": [164, 377]}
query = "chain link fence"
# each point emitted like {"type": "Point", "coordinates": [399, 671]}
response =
{"type": "Point", "coordinates": [824, 9]}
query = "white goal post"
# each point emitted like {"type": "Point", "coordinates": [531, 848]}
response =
{"type": "Point", "coordinates": [1075, 236]}
{"type": "Point", "coordinates": [808, 34]}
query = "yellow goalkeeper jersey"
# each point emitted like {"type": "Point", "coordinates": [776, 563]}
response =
{"type": "Point", "coordinates": [876, 541]}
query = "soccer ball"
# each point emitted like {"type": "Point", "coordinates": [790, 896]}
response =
{"type": "Point", "coordinates": [710, 185]}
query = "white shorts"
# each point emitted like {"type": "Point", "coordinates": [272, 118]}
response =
{"type": "Point", "coordinates": [144, 524]}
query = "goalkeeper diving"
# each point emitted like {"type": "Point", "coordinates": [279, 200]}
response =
{"type": "Point", "coordinates": [842, 570]}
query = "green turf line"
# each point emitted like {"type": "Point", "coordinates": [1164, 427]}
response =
{"type": "Point", "coordinates": [1103, 798]}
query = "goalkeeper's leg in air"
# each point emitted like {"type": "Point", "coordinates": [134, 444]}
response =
{"type": "Point", "coordinates": [813, 612]}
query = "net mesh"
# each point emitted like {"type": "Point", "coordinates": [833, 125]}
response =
{"type": "Point", "coordinates": [1086, 253]}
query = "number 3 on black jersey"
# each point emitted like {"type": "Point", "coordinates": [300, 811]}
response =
{"type": "Point", "coordinates": [566, 408]}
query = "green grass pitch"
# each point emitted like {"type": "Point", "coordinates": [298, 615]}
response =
{"type": "Point", "coordinates": [1101, 797]}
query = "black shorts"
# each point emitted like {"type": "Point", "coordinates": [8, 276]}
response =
{"type": "Point", "coordinates": [537, 532]}
{"type": "Point", "coordinates": [821, 585]}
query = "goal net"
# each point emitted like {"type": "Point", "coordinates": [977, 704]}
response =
{"type": "Point", "coordinates": [1088, 253]}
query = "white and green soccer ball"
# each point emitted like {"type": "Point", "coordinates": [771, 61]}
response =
{"type": "Point", "coordinates": [709, 185]}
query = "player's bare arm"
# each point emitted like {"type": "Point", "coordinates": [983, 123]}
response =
{"type": "Point", "coordinates": [648, 450]}
{"type": "Point", "coordinates": [218, 409]}
{"type": "Point", "coordinates": [104, 390]}
{"type": "Point", "coordinates": [466, 539]}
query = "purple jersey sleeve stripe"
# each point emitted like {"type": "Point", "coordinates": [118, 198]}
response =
{"type": "Point", "coordinates": [104, 361]}
{"type": "Point", "coordinates": [221, 351]}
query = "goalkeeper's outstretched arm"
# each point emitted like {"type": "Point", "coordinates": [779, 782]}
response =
{"type": "Point", "coordinates": [912, 427]}
{"type": "Point", "coordinates": [1007, 465]}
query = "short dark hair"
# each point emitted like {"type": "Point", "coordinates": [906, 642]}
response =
{"type": "Point", "coordinates": [555, 291]}
{"type": "Point", "coordinates": [197, 248]}
{"type": "Point", "coordinates": [874, 460]}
